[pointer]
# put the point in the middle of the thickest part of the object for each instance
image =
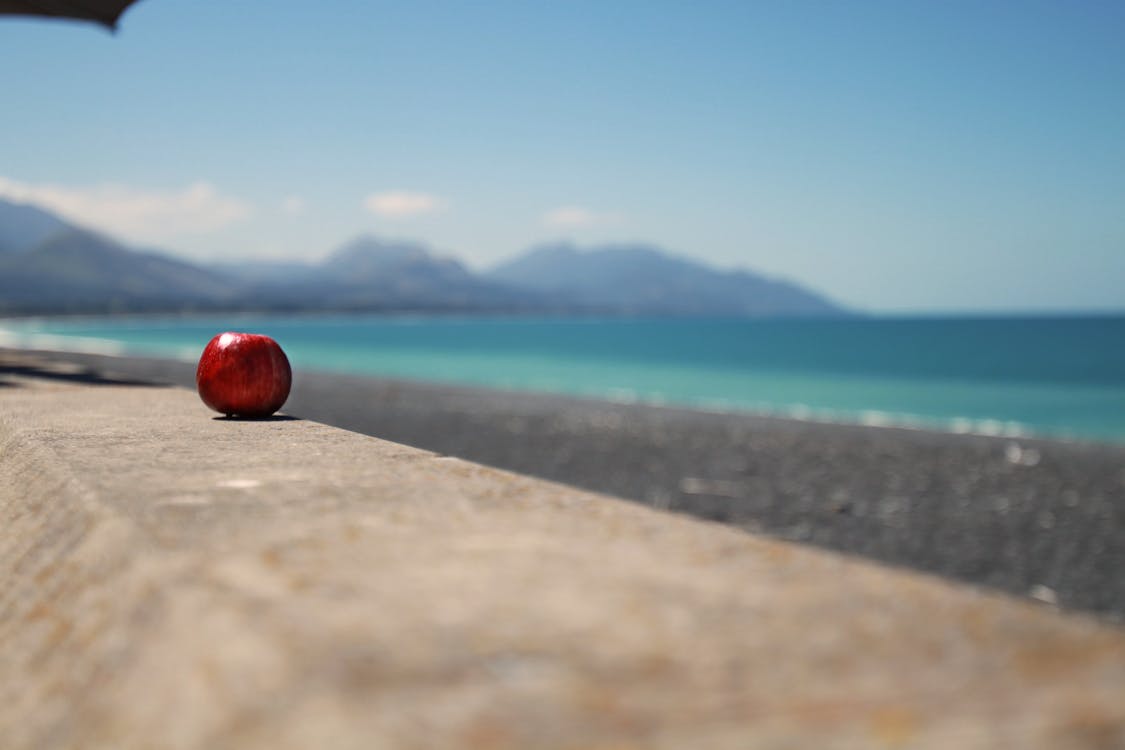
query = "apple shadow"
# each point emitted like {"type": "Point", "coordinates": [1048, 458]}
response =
{"type": "Point", "coordinates": [270, 418]}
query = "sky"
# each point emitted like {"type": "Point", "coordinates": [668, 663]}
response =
{"type": "Point", "coordinates": [900, 157]}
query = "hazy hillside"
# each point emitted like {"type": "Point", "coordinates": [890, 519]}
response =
{"type": "Point", "coordinates": [641, 279]}
{"type": "Point", "coordinates": [403, 265]}
{"type": "Point", "coordinates": [79, 271]}
{"type": "Point", "coordinates": [46, 266]}
{"type": "Point", "coordinates": [262, 271]}
{"type": "Point", "coordinates": [23, 226]}
{"type": "Point", "coordinates": [372, 274]}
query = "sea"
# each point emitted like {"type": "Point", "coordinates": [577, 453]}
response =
{"type": "Point", "coordinates": [1019, 376]}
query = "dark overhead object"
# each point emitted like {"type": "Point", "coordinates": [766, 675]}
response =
{"type": "Point", "coordinates": [105, 12]}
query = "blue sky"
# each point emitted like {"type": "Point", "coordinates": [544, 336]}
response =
{"type": "Point", "coordinates": [899, 156]}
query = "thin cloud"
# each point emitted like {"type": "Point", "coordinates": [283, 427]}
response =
{"type": "Point", "coordinates": [133, 213]}
{"type": "Point", "coordinates": [398, 204]}
{"type": "Point", "coordinates": [293, 205]}
{"type": "Point", "coordinates": [577, 217]}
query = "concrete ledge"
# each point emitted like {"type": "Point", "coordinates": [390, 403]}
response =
{"type": "Point", "coordinates": [177, 581]}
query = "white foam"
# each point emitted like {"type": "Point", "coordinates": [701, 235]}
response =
{"type": "Point", "coordinates": [622, 396]}
{"type": "Point", "coordinates": [991, 427]}
{"type": "Point", "coordinates": [55, 343]}
{"type": "Point", "coordinates": [873, 418]}
{"type": "Point", "coordinates": [961, 425]}
{"type": "Point", "coordinates": [803, 412]}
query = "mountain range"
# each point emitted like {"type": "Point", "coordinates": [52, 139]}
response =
{"type": "Point", "coordinates": [48, 265]}
{"type": "Point", "coordinates": [639, 279]}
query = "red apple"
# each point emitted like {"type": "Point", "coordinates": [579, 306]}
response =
{"type": "Point", "coordinates": [243, 374]}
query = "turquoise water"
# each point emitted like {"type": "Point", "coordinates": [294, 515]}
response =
{"type": "Point", "coordinates": [1062, 377]}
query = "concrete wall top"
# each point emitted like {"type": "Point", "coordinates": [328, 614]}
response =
{"type": "Point", "coordinates": [172, 580]}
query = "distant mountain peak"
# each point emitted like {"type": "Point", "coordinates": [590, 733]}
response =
{"type": "Point", "coordinates": [368, 255]}
{"type": "Point", "coordinates": [644, 279]}
{"type": "Point", "coordinates": [23, 226]}
{"type": "Point", "coordinates": [77, 270]}
{"type": "Point", "coordinates": [368, 245]}
{"type": "Point", "coordinates": [48, 265]}
{"type": "Point", "coordinates": [552, 249]}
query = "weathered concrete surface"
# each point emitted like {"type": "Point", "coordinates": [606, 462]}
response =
{"type": "Point", "coordinates": [1041, 518]}
{"type": "Point", "coordinates": [177, 581]}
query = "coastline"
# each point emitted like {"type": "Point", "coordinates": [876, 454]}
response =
{"type": "Point", "coordinates": [1004, 390]}
{"type": "Point", "coordinates": [1034, 517]}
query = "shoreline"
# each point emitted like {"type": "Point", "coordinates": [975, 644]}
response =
{"type": "Point", "coordinates": [1032, 516]}
{"type": "Point", "coordinates": [57, 345]}
{"type": "Point", "coordinates": [1079, 407]}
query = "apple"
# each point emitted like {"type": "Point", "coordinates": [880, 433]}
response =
{"type": "Point", "coordinates": [243, 374]}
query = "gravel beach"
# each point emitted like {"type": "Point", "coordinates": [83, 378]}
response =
{"type": "Point", "coordinates": [1038, 518]}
